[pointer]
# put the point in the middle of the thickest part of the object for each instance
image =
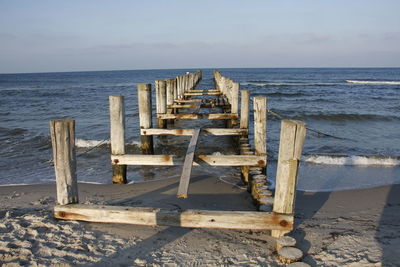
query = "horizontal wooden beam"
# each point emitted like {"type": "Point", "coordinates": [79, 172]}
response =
{"type": "Point", "coordinates": [182, 106]}
{"type": "Point", "coordinates": [197, 100]}
{"type": "Point", "coordinates": [204, 93]}
{"type": "Point", "coordinates": [189, 132]}
{"type": "Point", "coordinates": [211, 105]}
{"type": "Point", "coordinates": [200, 160]}
{"type": "Point", "coordinates": [212, 116]}
{"type": "Point", "coordinates": [244, 220]}
{"type": "Point", "coordinates": [200, 90]}
{"type": "Point", "coordinates": [188, 100]}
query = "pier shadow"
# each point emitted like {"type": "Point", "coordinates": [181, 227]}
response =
{"type": "Point", "coordinates": [387, 234]}
{"type": "Point", "coordinates": [158, 237]}
{"type": "Point", "coordinates": [205, 193]}
{"type": "Point", "coordinates": [307, 206]}
{"type": "Point", "coordinates": [144, 249]}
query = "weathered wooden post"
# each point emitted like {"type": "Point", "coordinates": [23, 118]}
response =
{"type": "Point", "coordinates": [63, 143]}
{"type": "Point", "coordinates": [170, 96]}
{"type": "Point", "coordinates": [244, 124]}
{"type": "Point", "coordinates": [161, 102]}
{"type": "Point", "coordinates": [179, 87]}
{"type": "Point", "coordinates": [217, 79]}
{"type": "Point", "coordinates": [185, 83]}
{"type": "Point", "coordinates": [175, 93]}
{"type": "Point", "coordinates": [234, 101]}
{"type": "Point", "coordinates": [244, 109]}
{"type": "Point", "coordinates": [260, 126]}
{"type": "Point", "coordinates": [145, 119]}
{"type": "Point", "coordinates": [117, 136]}
{"type": "Point", "coordinates": [290, 148]}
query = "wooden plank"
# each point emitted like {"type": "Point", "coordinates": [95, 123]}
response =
{"type": "Point", "coordinates": [182, 106]}
{"type": "Point", "coordinates": [187, 165]}
{"type": "Point", "coordinates": [203, 90]}
{"type": "Point", "coordinates": [62, 133]}
{"type": "Point", "coordinates": [201, 106]}
{"type": "Point", "coordinates": [188, 132]}
{"type": "Point", "coordinates": [200, 94]}
{"type": "Point", "coordinates": [200, 160]}
{"type": "Point", "coordinates": [188, 100]}
{"type": "Point", "coordinates": [117, 136]}
{"type": "Point", "coordinates": [185, 218]}
{"type": "Point", "coordinates": [212, 116]}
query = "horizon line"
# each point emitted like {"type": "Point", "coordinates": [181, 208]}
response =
{"type": "Point", "coordinates": [191, 68]}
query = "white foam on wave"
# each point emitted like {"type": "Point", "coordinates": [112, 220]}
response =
{"type": "Point", "coordinates": [256, 84]}
{"type": "Point", "coordinates": [89, 143]}
{"type": "Point", "coordinates": [288, 83]}
{"type": "Point", "coordinates": [373, 82]}
{"type": "Point", "coordinates": [352, 160]}
{"type": "Point", "coordinates": [92, 143]}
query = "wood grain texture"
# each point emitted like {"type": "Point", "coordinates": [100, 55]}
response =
{"type": "Point", "coordinates": [145, 116]}
{"type": "Point", "coordinates": [62, 133]}
{"type": "Point", "coordinates": [189, 132]}
{"type": "Point", "coordinates": [187, 165]}
{"type": "Point", "coordinates": [249, 220]}
{"type": "Point", "coordinates": [244, 109]}
{"type": "Point", "coordinates": [200, 160]}
{"type": "Point", "coordinates": [117, 136]}
{"type": "Point", "coordinates": [290, 148]}
{"type": "Point", "coordinates": [212, 116]}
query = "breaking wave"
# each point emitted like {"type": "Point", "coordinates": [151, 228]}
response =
{"type": "Point", "coordinates": [352, 160]}
{"type": "Point", "coordinates": [92, 143]}
{"type": "Point", "coordinates": [373, 82]}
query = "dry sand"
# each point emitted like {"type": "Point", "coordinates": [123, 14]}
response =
{"type": "Point", "coordinates": [348, 228]}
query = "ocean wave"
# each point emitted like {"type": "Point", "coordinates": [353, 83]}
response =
{"type": "Point", "coordinates": [90, 143]}
{"type": "Point", "coordinates": [345, 117]}
{"type": "Point", "coordinates": [352, 160]}
{"type": "Point", "coordinates": [264, 84]}
{"type": "Point", "coordinates": [83, 143]}
{"type": "Point", "coordinates": [286, 94]}
{"type": "Point", "coordinates": [373, 82]}
{"type": "Point", "coordinates": [12, 132]}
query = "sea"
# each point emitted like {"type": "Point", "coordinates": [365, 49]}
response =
{"type": "Point", "coordinates": [352, 116]}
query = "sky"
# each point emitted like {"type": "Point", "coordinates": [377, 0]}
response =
{"type": "Point", "coordinates": [52, 36]}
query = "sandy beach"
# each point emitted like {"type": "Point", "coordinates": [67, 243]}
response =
{"type": "Point", "coordinates": [345, 228]}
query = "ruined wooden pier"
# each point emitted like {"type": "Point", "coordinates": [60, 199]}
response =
{"type": "Point", "coordinates": [274, 210]}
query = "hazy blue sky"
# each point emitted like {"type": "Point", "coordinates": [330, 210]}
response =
{"type": "Point", "coordinates": [37, 36]}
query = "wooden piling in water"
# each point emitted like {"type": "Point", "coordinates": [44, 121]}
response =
{"type": "Point", "coordinates": [161, 102]}
{"type": "Point", "coordinates": [260, 126]}
{"type": "Point", "coordinates": [234, 101]}
{"type": "Point", "coordinates": [145, 116]}
{"type": "Point", "coordinates": [117, 136]}
{"type": "Point", "coordinates": [63, 142]}
{"type": "Point", "coordinates": [244, 109]}
{"type": "Point", "coordinates": [170, 87]}
{"type": "Point", "coordinates": [290, 148]}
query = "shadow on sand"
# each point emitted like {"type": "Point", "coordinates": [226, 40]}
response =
{"type": "Point", "coordinates": [388, 238]}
